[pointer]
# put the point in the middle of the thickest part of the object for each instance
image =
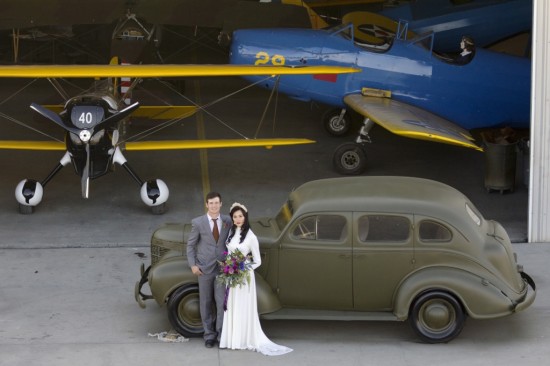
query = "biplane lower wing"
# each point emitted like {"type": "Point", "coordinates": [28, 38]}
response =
{"type": "Point", "coordinates": [162, 144]}
{"type": "Point", "coordinates": [410, 121]}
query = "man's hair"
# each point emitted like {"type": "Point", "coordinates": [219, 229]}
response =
{"type": "Point", "coordinates": [212, 195]}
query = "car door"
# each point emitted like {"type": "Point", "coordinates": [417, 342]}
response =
{"type": "Point", "coordinates": [383, 254]}
{"type": "Point", "coordinates": [315, 262]}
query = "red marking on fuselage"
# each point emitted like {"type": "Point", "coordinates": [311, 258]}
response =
{"type": "Point", "coordinates": [331, 78]}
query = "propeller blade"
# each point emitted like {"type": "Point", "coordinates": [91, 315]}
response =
{"type": "Point", "coordinates": [118, 116]}
{"type": "Point", "coordinates": [85, 180]}
{"type": "Point", "coordinates": [54, 117]}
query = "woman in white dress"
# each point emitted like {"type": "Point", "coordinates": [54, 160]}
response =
{"type": "Point", "coordinates": [241, 323]}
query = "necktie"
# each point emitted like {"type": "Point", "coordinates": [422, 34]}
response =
{"type": "Point", "coordinates": [215, 230]}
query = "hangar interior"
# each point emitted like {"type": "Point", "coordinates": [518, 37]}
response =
{"type": "Point", "coordinates": [261, 178]}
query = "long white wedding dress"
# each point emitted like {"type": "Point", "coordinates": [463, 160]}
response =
{"type": "Point", "coordinates": [241, 323]}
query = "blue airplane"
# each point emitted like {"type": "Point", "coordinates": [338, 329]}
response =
{"type": "Point", "coordinates": [403, 86]}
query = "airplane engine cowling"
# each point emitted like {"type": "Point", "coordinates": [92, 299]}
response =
{"type": "Point", "coordinates": [29, 192]}
{"type": "Point", "coordinates": [154, 192]}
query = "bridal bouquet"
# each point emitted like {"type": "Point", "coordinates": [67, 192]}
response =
{"type": "Point", "coordinates": [234, 269]}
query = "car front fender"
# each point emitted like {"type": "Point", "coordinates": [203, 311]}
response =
{"type": "Point", "coordinates": [167, 275]}
{"type": "Point", "coordinates": [480, 298]}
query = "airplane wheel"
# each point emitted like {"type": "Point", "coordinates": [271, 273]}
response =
{"type": "Point", "coordinates": [26, 210]}
{"type": "Point", "coordinates": [350, 159]}
{"type": "Point", "coordinates": [158, 210]}
{"type": "Point", "coordinates": [335, 127]}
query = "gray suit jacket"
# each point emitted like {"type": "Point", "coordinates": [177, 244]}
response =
{"type": "Point", "coordinates": [202, 250]}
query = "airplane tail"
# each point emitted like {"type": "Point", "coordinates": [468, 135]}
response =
{"type": "Point", "coordinates": [316, 21]}
{"type": "Point", "coordinates": [121, 87]}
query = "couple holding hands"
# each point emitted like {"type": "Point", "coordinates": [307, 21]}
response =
{"type": "Point", "coordinates": [212, 236]}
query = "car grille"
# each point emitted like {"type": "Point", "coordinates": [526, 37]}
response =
{"type": "Point", "coordinates": [160, 247]}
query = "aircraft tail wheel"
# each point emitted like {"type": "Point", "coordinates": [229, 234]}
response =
{"type": "Point", "coordinates": [350, 159]}
{"type": "Point", "coordinates": [335, 125]}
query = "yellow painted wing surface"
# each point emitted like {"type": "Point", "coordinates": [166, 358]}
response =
{"type": "Point", "coordinates": [409, 121]}
{"type": "Point", "coordinates": [33, 145]}
{"type": "Point", "coordinates": [157, 71]}
{"type": "Point", "coordinates": [210, 144]}
{"type": "Point", "coordinates": [163, 144]}
{"type": "Point", "coordinates": [164, 112]}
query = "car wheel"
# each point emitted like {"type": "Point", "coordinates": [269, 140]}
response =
{"type": "Point", "coordinates": [333, 124]}
{"type": "Point", "coordinates": [350, 159]}
{"type": "Point", "coordinates": [437, 317]}
{"type": "Point", "coordinates": [184, 311]}
{"type": "Point", "coordinates": [26, 210]}
{"type": "Point", "coordinates": [158, 210]}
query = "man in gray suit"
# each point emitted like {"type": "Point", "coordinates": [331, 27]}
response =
{"type": "Point", "coordinates": [203, 252]}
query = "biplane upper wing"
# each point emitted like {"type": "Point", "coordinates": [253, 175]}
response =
{"type": "Point", "coordinates": [146, 71]}
{"type": "Point", "coordinates": [410, 121]}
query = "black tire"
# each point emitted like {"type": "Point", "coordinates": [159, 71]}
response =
{"type": "Point", "coordinates": [437, 317]}
{"type": "Point", "coordinates": [333, 127]}
{"type": "Point", "coordinates": [350, 159]}
{"type": "Point", "coordinates": [184, 311]}
{"type": "Point", "coordinates": [26, 210]}
{"type": "Point", "coordinates": [158, 210]}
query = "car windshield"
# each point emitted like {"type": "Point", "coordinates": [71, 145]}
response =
{"type": "Point", "coordinates": [284, 215]}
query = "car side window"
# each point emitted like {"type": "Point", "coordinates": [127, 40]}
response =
{"type": "Point", "coordinates": [321, 227]}
{"type": "Point", "coordinates": [431, 231]}
{"type": "Point", "coordinates": [383, 228]}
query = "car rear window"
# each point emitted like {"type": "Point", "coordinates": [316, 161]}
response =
{"type": "Point", "coordinates": [431, 231]}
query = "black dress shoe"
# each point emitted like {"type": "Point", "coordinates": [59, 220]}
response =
{"type": "Point", "coordinates": [209, 343]}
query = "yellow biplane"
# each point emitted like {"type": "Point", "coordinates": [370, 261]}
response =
{"type": "Point", "coordinates": [92, 123]}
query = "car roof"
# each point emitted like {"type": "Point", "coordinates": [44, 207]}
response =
{"type": "Point", "coordinates": [407, 195]}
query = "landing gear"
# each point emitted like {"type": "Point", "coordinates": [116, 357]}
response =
{"type": "Point", "coordinates": [154, 193]}
{"type": "Point", "coordinates": [350, 158]}
{"type": "Point", "coordinates": [337, 122]}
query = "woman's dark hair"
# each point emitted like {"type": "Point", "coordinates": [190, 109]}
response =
{"type": "Point", "coordinates": [244, 228]}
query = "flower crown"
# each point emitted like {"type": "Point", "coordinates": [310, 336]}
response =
{"type": "Point", "coordinates": [237, 204]}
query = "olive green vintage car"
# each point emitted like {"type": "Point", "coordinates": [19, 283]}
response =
{"type": "Point", "coordinates": [362, 248]}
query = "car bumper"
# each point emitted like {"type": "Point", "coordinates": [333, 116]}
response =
{"type": "Point", "coordinates": [529, 296]}
{"type": "Point", "coordinates": [140, 296]}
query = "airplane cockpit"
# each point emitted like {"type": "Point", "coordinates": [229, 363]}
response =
{"type": "Point", "coordinates": [347, 31]}
{"type": "Point", "coordinates": [426, 41]}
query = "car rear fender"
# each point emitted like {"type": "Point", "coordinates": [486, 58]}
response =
{"type": "Point", "coordinates": [479, 298]}
{"type": "Point", "coordinates": [268, 301]}
{"type": "Point", "coordinates": [166, 276]}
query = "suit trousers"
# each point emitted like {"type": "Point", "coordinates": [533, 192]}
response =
{"type": "Point", "coordinates": [211, 296]}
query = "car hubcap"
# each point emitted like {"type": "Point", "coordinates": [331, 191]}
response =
{"type": "Point", "coordinates": [189, 310]}
{"type": "Point", "coordinates": [437, 316]}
